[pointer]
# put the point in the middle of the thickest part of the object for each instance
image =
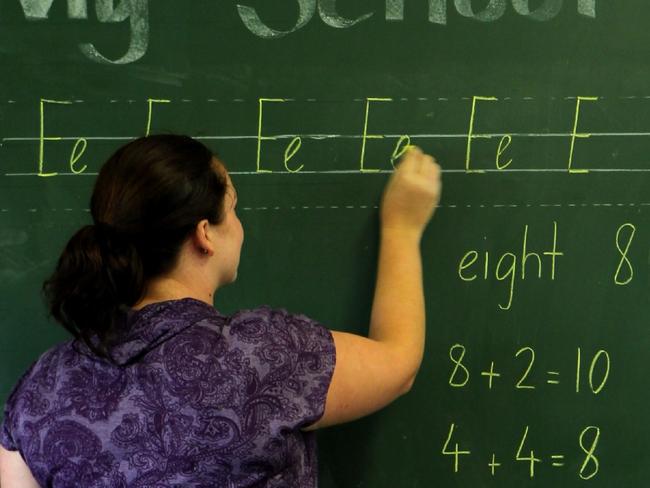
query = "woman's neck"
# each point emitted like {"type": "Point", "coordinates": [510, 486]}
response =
{"type": "Point", "coordinates": [164, 289]}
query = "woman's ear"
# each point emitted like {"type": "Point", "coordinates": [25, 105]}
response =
{"type": "Point", "coordinates": [204, 238]}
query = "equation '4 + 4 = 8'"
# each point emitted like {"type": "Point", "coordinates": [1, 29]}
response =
{"type": "Point", "coordinates": [587, 440]}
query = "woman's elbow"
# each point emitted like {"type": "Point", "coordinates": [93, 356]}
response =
{"type": "Point", "coordinates": [406, 387]}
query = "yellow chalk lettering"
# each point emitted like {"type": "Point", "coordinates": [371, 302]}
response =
{"type": "Point", "coordinates": [290, 152]}
{"type": "Point", "coordinates": [471, 135]}
{"type": "Point", "coordinates": [42, 138]}
{"type": "Point", "coordinates": [151, 101]}
{"type": "Point", "coordinates": [554, 253]}
{"type": "Point", "coordinates": [520, 384]}
{"type": "Point", "coordinates": [493, 464]}
{"type": "Point", "coordinates": [531, 458]}
{"type": "Point", "coordinates": [506, 268]}
{"type": "Point", "coordinates": [509, 273]}
{"type": "Point", "coordinates": [501, 149]}
{"type": "Point", "coordinates": [464, 265]}
{"type": "Point", "coordinates": [456, 452]}
{"type": "Point", "coordinates": [575, 133]}
{"type": "Point", "coordinates": [261, 138]}
{"type": "Point", "coordinates": [599, 354]}
{"type": "Point", "coordinates": [459, 368]}
{"type": "Point", "coordinates": [578, 372]}
{"type": "Point", "coordinates": [76, 154]}
{"type": "Point", "coordinates": [624, 255]}
{"type": "Point", "coordinates": [590, 459]}
{"type": "Point", "coordinates": [366, 136]}
{"type": "Point", "coordinates": [490, 375]}
{"type": "Point", "coordinates": [402, 146]}
{"type": "Point", "coordinates": [526, 255]}
{"type": "Point", "coordinates": [487, 264]}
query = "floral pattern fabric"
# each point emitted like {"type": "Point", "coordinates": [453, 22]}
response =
{"type": "Point", "coordinates": [192, 398]}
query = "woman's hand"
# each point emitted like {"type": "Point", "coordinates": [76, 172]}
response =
{"type": "Point", "coordinates": [411, 195]}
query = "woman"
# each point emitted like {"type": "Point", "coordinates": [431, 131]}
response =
{"type": "Point", "coordinates": [158, 388]}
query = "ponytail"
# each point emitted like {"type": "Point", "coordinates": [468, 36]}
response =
{"type": "Point", "coordinates": [98, 273]}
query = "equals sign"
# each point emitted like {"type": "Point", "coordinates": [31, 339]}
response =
{"type": "Point", "coordinates": [555, 460]}
{"type": "Point", "coordinates": [553, 374]}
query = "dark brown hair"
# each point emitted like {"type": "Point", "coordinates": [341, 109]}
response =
{"type": "Point", "coordinates": [148, 198]}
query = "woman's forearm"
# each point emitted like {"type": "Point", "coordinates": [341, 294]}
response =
{"type": "Point", "coordinates": [398, 314]}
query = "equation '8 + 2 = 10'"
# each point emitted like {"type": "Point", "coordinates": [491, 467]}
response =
{"type": "Point", "coordinates": [597, 370]}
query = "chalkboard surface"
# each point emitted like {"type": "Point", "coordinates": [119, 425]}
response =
{"type": "Point", "coordinates": [536, 263]}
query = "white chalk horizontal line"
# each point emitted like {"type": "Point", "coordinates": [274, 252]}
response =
{"type": "Point", "coordinates": [342, 171]}
{"type": "Point", "coordinates": [339, 100]}
{"type": "Point", "coordinates": [58, 174]}
{"type": "Point", "coordinates": [476, 135]}
{"type": "Point", "coordinates": [366, 207]}
{"type": "Point", "coordinates": [474, 171]}
{"type": "Point", "coordinates": [94, 138]}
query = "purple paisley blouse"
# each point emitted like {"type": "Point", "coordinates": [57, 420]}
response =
{"type": "Point", "coordinates": [194, 399]}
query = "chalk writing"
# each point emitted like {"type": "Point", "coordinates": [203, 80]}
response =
{"type": "Point", "coordinates": [605, 355]}
{"type": "Point", "coordinates": [491, 374]}
{"type": "Point", "coordinates": [598, 375]}
{"type": "Point", "coordinates": [506, 266]}
{"type": "Point", "coordinates": [470, 131]}
{"type": "Point", "coordinates": [456, 452]}
{"type": "Point", "coordinates": [458, 362]}
{"type": "Point", "coordinates": [403, 145]}
{"type": "Point", "coordinates": [494, 10]}
{"type": "Point", "coordinates": [77, 151]}
{"type": "Point", "coordinates": [367, 136]}
{"type": "Point", "coordinates": [501, 149]}
{"type": "Point", "coordinates": [520, 384]}
{"type": "Point", "coordinates": [135, 11]}
{"type": "Point", "coordinates": [575, 134]}
{"type": "Point", "coordinates": [588, 439]}
{"type": "Point", "coordinates": [150, 103]}
{"type": "Point", "coordinates": [530, 458]}
{"type": "Point", "coordinates": [493, 464]}
{"type": "Point", "coordinates": [39, 9]}
{"type": "Point", "coordinates": [327, 12]}
{"type": "Point", "coordinates": [624, 263]}
{"type": "Point", "coordinates": [41, 145]}
{"type": "Point", "coordinates": [502, 162]}
{"type": "Point", "coordinates": [290, 152]}
{"type": "Point", "coordinates": [261, 138]}
{"type": "Point", "coordinates": [590, 459]}
{"type": "Point", "coordinates": [546, 11]}
{"type": "Point", "coordinates": [253, 23]}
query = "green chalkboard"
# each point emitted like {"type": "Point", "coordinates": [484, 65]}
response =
{"type": "Point", "coordinates": [536, 264]}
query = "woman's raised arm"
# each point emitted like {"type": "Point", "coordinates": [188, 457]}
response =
{"type": "Point", "coordinates": [373, 371]}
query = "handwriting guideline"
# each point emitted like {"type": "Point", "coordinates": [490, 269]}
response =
{"type": "Point", "coordinates": [368, 135]}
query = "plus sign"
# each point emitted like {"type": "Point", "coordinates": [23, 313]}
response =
{"type": "Point", "coordinates": [493, 464]}
{"type": "Point", "coordinates": [490, 374]}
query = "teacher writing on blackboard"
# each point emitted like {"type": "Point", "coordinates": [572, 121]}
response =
{"type": "Point", "coordinates": [160, 389]}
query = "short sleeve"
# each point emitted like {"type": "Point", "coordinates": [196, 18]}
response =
{"type": "Point", "coordinates": [7, 439]}
{"type": "Point", "coordinates": [293, 357]}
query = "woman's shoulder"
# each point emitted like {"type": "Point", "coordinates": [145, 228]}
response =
{"type": "Point", "coordinates": [278, 326]}
{"type": "Point", "coordinates": [42, 370]}
{"type": "Point", "coordinates": [41, 375]}
{"type": "Point", "coordinates": [272, 316]}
